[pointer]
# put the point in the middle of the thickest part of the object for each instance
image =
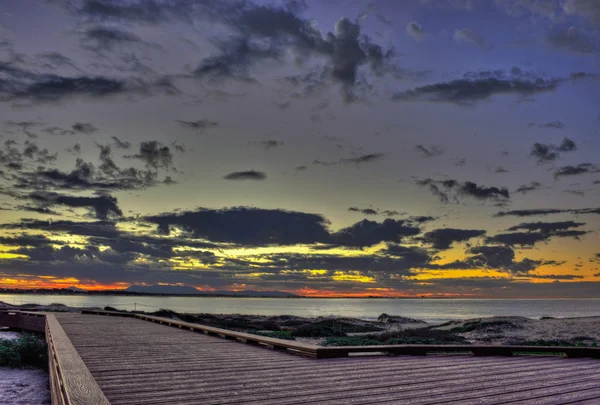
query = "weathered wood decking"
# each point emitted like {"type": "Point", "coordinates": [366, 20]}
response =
{"type": "Point", "coordinates": [134, 361]}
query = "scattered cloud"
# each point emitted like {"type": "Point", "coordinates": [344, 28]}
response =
{"type": "Point", "coordinates": [447, 190]}
{"type": "Point", "coordinates": [199, 125]}
{"type": "Point", "coordinates": [443, 239]}
{"type": "Point", "coordinates": [104, 206]}
{"type": "Point", "coordinates": [476, 87]}
{"type": "Point", "coordinates": [525, 188]}
{"type": "Point", "coordinates": [372, 157]}
{"type": "Point", "coordinates": [468, 36]}
{"type": "Point", "coordinates": [581, 168]}
{"type": "Point", "coordinates": [246, 175]}
{"type": "Point", "coordinates": [549, 152]}
{"type": "Point", "coordinates": [414, 30]}
{"type": "Point", "coordinates": [550, 124]}
{"type": "Point", "coordinates": [547, 211]}
{"type": "Point", "coordinates": [268, 144]}
{"type": "Point", "coordinates": [121, 144]}
{"type": "Point", "coordinates": [431, 151]}
{"type": "Point", "coordinates": [155, 155]}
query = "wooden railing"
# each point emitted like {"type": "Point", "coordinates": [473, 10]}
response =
{"type": "Point", "coordinates": [322, 352]}
{"type": "Point", "coordinates": [71, 383]}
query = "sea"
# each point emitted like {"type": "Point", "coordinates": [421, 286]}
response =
{"type": "Point", "coordinates": [431, 310]}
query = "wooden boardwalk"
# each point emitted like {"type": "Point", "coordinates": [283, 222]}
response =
{"type": "Point", "coordinates": [124, 360]}
{"type": "Point", "coordinates": [139, 362]}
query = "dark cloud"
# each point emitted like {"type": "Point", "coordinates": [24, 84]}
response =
{"type": "Point", "coordinates": [372, 157]}
{"type": "Point", "coordinates": [444, 238]}
{"type": "Point", "coordinates": [199, 125]}
{"type": "Point", "coordinates": [447, 189]}
{"type": "Point", "coordinates": [365, 211]}
{"type": "Point", "coordinates": [415, 30]}
{"type": "Point", "coordinates": [100, 39]}
{"type": "Point", "coordinates": [551, 124]}
{"type": "Point", "coordinates": [102, 229]}
{"type": "Point", "coordinates": [34, 153]}
{"type": "Point", "coordinates": [431, 151]}
{"type": "Point", "coordinates": [155, 155]}
{"type": "Point", "coordinates": [268, 144]}
{"type": "Point", "coordinates": [534, 185]}
{"type": "Point", "coordinates": [300, 168]}
{"type": "Point", "coordinates": [546, 227]}
{"type": "Point", "coordinates": [377, 211]}
{"type": "Point", "coordinates": [38, 210]}
{"type": "Point", "coordinates": [236, 59]}
{"type": "Point", "coordinates": [86, 176]}
{"type": "Point", "coordinates": [549, 152]}
{"type": "Point", "coordinates": [103, 206]}
{"type": "Point", "coordinates": [121, 144]}
{"type": "Point", "coordinates": [572, 40]}
{"type": "Point", "coordinates": [77, 128]}
{"type": "Point", "coordinates": [481, 86]}
{"type": "Point", "coordinates": [76, 149]}
{"type": "Point", "coordinates": [537, 232]}
{"type": "Point", "coordinates": [500, 258]}
{"type": "Point", "coordinates": [581, 168]}
{"type": "Point", "coordinates": [368, 233]}
{"type": "Point", "coordinates": [84, 128]}
{"type": "Point", "coordinates": [547, 211]}
{"type": "Point", "coordinates": [24, 126]}
{"type": "Point", "coordinates": [251, 226]}
{"type": "Point", "coordinates": [21, 85]}
{"type": "Point", "coordinates": [268, 32]}
{"type": "Point", "coordinates": [246, 175]}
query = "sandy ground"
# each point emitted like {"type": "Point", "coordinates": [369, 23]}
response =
{"type": "Point", "coordinates": [6, 334]}
{"type": "Point", "coordinates": [22, 386]}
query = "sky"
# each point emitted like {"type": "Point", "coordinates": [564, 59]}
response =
{"type": "Point", "coordinates": [324, 148]}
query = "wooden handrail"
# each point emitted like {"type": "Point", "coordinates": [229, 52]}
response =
{"type": "Point", "coordinates": [322, 352]}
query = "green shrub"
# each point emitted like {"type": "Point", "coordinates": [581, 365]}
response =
{"type": "Point", "coordinates": [403, 337]}
{"type": "Point", "coordinates": [318, 329]}
{"type": "Point", "coordinates": [350, 341]}
{"type": "Point", "coordinates": [26, 351]}
{"type": "Point", "coordinates": [277, 334]}
{"type": "Point", "coordinates": [542, 342]}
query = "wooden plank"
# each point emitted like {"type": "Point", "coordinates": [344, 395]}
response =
{"type": "Point", "coordinates": [79, 387]}
{"type": "Point", "coordinates": [582, 397]}
{"type": "Point", "coordinates": [297, 391]}
{"type": "Point", "coordinates": [295, 383]}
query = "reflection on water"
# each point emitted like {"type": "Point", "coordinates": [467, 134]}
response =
{"type": "Point", "coordinates": [429, 309]}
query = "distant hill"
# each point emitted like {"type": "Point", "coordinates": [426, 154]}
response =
{"type": "Point", "coordinates": [187, 290]}
{"type": "Point", "coordinates": [163, 289]}
{"type": "Point", "coordinates": [251, 293]}
{"type": "Point", "coordinates": [73, 288]}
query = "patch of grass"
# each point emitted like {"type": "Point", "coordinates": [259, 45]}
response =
{"type": "Point", "coordinates": [350, 341]}
{"type": "Point", "coordinates": [319, 329]}
{"type": "Point", "coordinates": [26, 351]}
{"type": "Point", "coordinates": [542, 342]}
{"type": "Point", "coordinates": [424, 336]}
{"type": "Point", "coordinates": [488, 326]}
{"type": "Point", "coordinates": [278, 334]}
{"type": "Point", "coordinates": [333, 328]}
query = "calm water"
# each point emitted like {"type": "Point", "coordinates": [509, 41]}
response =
{"type": "Point", "coordinates": [431, 310]}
